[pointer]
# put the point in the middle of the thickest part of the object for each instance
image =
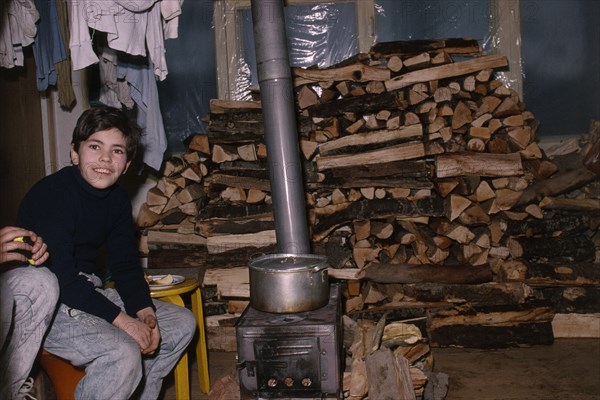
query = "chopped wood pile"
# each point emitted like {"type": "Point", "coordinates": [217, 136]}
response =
{"type": "Point", "coordinates": [425, 188]}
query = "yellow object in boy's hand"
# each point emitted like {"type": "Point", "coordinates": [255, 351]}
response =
{"type": "Point", "coordinates": [24, 239]}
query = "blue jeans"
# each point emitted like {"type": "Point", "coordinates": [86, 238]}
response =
{"type": "Point", "coordinates": [114, 364]}
{"type": "Point", "coordinates": [28, 297]}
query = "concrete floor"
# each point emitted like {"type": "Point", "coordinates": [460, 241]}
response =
{"type": "Point", "coordinates": [567, 370]}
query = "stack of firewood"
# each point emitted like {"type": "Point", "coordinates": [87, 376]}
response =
{"type": "Point", "coordinates": [425, 188]}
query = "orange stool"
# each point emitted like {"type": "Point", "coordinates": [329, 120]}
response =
{"type": "Point", "coordinates": [173, 295]}
{"type": "Point", "coordinates": [62, 373]}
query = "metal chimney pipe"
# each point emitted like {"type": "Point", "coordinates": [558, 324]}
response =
{"type": "Point", "coordinates": [281, 135]}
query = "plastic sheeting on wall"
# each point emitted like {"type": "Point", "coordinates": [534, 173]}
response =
{"type": "Point", "coordinates": [559, 40]}
{"type": "Point", "coordinates": [561, 63]}
{"type": "Point", "coordinates": [186, 93]}
{"type": "Point", "coordinates": [318, 35]}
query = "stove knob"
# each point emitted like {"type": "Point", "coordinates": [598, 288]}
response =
{"type": "Point", "coordinates": [306, 382]}
{"type": "Point", "coordinates": [272, 382]}
{"type": "Point", "coordinates": [289, 382]}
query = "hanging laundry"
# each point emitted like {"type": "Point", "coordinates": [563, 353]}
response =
{"type": "Point", "coordinates": [144, 92]}
{"type": "Point", "coordinates": [17, 30]}
{"type": "Point", "coordinates": [64, 84]}
{"type": "Point", "coordinates": [170, 11]}
{"type": "Point", "coordinates": [113, 92]}
{"type": "Point", "coordinates": [132, 23]}
{"type": "Point", "coordinates": [135, 27]}
{"type": "Point", "coordinates": [48, 47]}
{"type": "Point", "coordinates": [84, 15]}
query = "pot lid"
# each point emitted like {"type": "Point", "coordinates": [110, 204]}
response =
{"type": "Point", "coordinates": [288, 262]}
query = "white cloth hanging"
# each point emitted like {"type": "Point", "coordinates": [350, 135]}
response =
{"type": "Point", "coordinates": [136, 27]}
{"type": "Point", "coordinates": [17, 30]}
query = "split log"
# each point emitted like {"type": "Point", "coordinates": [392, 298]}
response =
{"type": "Point", "coordinates": [491, 326]}
{"type": "Point", "coordinates": [413, 47]}
{"type": "Point", "coordinates": [378, 208]}
{"type": "Point", "coordinates": [559, 203]}
{"type": "Point", "coordinates": [388, 376]}
{"type": "Point", "coordinates": [220, 244]}
{"type": "Point", "coordinates": [565, 223]}
{"type": "Point", "coordinates": [482, 164]}
{"type": "Point", "coordinates": [235, 211]}
{"type": "Point", "coordinates": [398, 273]}
{"type": "Point", "coordinates": [219, 106]}
{"type": "Point", "coordinates": [213, 227]}
{"type": "Point", "coordinates": [244, 182]}
{"type": "Point", "coordinates": [556, 185]}
{"type": "Point", "coordinates": [370, 138]}
{"type": "Point", "coordinates": [446, 71]}
{"type": "Point", "coordinates": [230, 282]}
{"type": "Point", "coordinates": [199, 143]}
{"type": "Point", "coordinates": [560, 274]}
{"type": "Point", "coordinates": [369, 103]}
{"type": "Point", "coordinates": [354, 73]}
{"type": "Point", "coordinates": [492, 293]}
{"type": "Point", "coordinates": [398, 152]}
{"type": "Point", "coordinates": [576, 248]}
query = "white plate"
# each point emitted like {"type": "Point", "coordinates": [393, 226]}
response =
{"type": "Point", "coordinates": [177, 279]}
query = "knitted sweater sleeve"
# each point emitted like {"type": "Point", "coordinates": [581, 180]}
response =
{"type": "Point", "coordinates": [123, 258]}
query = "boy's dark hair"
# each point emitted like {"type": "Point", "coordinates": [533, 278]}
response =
{"type": "Point", "coordinates": [104, 118]}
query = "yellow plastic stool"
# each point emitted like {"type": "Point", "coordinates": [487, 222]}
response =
{"type": "Point", "coordinates": [173, 295]}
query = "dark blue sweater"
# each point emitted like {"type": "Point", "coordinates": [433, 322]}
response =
{"type": "Point", "coordinates": [76, 220]}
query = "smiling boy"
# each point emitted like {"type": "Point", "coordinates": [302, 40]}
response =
{"type": "Point", "coordinates": [119, 335]}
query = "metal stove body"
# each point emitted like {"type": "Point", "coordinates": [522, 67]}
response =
{"type": "Point", "coordinates": [291, 356]}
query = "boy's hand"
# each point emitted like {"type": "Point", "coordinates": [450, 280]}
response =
{"type": "Point", "coordinates": [9, 247]}
{"type": "Point", "coordinates": [143, 334]}
{"type": "Point", "coordinates": [148, 317]}
{"type": "Point", "coordinates": [39, 252]}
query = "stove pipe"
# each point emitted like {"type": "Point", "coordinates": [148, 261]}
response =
{"type": "Point", "coordinates": [281, 135]}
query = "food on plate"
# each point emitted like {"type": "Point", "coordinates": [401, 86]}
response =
{"type": "Point", "coordinates": [165, 280]}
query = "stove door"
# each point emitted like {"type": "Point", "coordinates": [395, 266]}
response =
{"type": "Point", "coordinates": [288, 367]}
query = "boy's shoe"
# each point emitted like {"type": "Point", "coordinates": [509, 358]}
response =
{"type": "Point", "coordinates": [26, 391]}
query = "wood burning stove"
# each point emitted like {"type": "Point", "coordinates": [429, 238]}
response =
{"type": "Point", "coordinates": [291, 356]}
{"type": "Point", "coordinates": [296, 353]}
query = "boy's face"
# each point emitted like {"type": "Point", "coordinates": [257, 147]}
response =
{"type": "Point", "coordinates": [102, 158]}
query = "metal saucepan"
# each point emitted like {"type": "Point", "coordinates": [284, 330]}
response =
{"type": "Point", "coordinates": [288, 283]}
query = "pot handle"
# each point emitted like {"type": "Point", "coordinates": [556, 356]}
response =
{"type": "Point", "coordinates": [319, 267]}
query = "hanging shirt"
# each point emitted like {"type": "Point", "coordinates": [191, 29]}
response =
{"type": "Point", "coordinates": [170, 11]}
{"type": "Point", "coordinates": [144, 92]}
{"type": "Point", "coordinates": [48, 48]}
{"type": "Point", "coordinates": [17, 30]}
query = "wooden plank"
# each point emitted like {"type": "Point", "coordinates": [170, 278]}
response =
{"type": "Point", "coordinates": [576, 325]}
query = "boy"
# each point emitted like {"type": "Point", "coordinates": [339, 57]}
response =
{"type": "Point", "coordinates": [28, 296]}
{"type": "Point", "coordinates": [120, 335]}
